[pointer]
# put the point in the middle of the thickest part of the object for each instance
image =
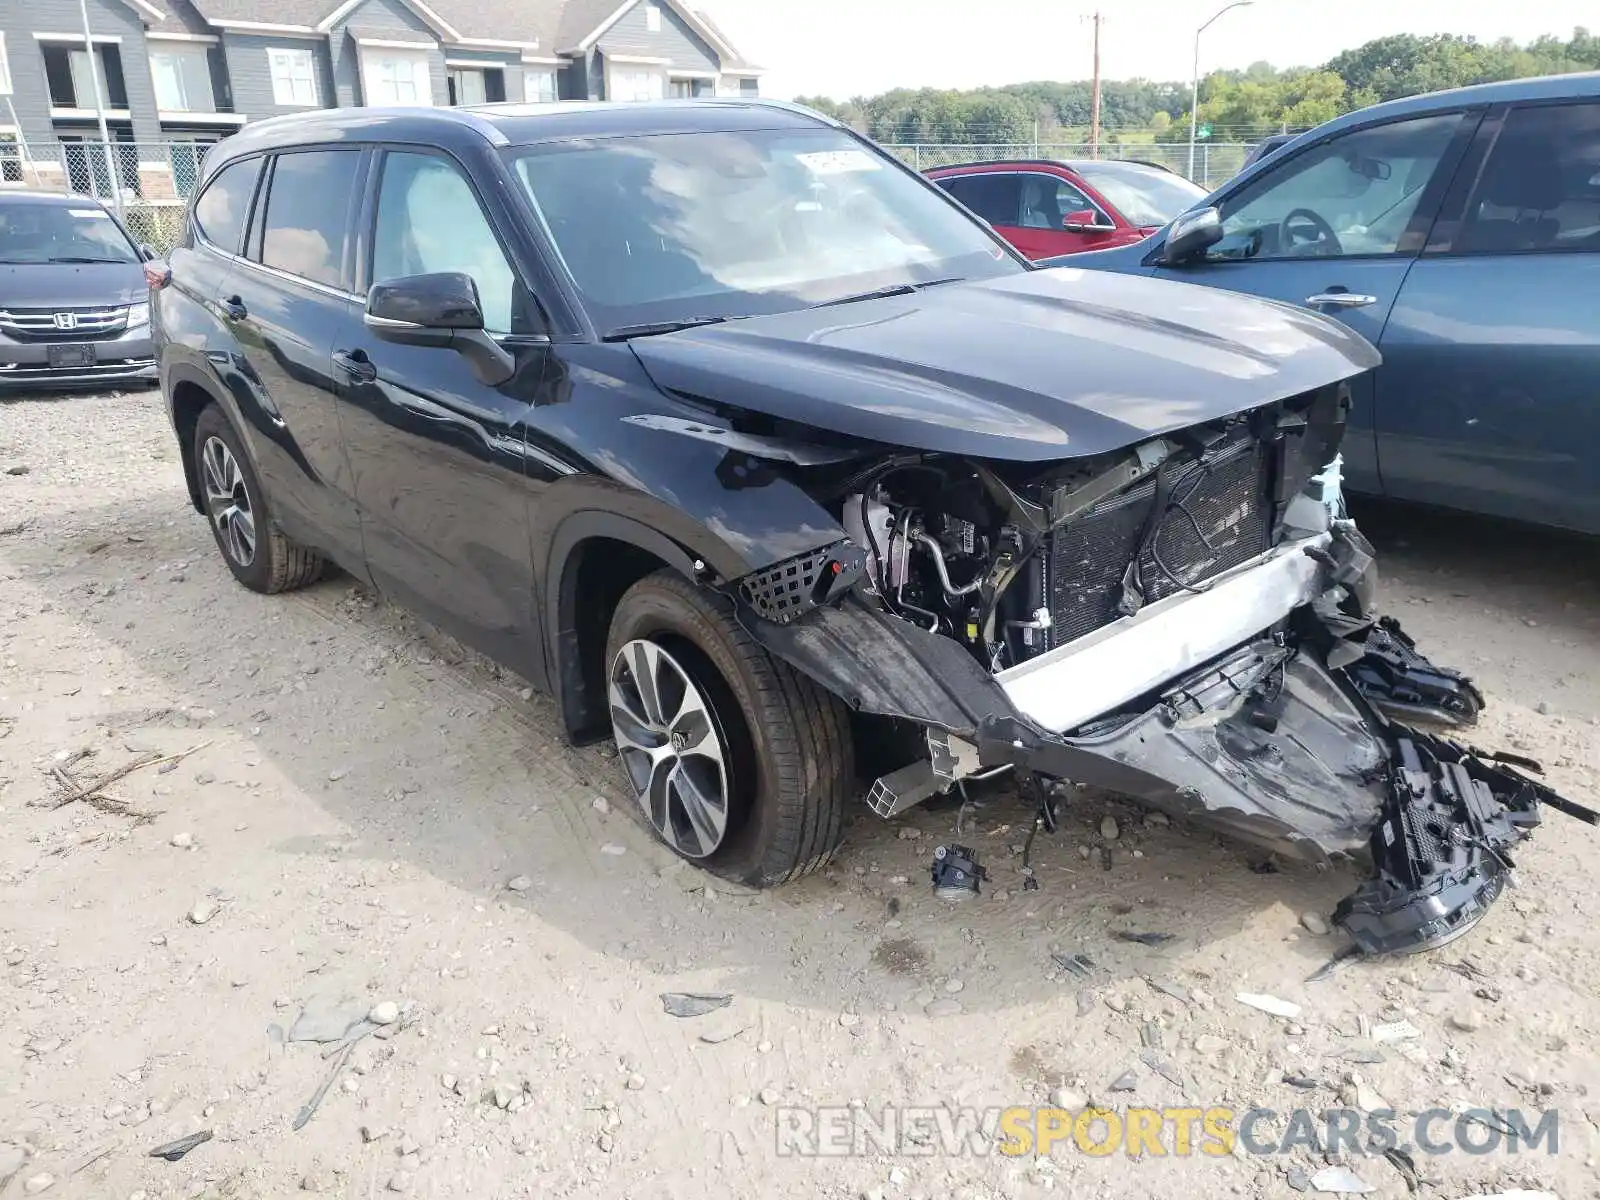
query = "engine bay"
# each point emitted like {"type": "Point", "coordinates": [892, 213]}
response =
{"type": "Point", "coordinates": [1014, 563]}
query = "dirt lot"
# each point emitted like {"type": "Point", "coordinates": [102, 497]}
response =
{"type": "Point", "coordinates": [356, 795]}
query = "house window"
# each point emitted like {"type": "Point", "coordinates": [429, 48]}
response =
{"type": "Point", "coordinates": [634, 84]}
{"type": "Point", "coordinates": [71, 79]}
{"type": "Point", "coordinates": [466, 86]}
{"type": "Point", "coordinates": [652, 18]}
{"type": "Point", "coordinates": [182, 77]}
{"type": "Point", "coordinates": [392, 77]}
{"type": "Point", "coordinates": [681, 89]}
{"type": "Point", "coordinates": [539, 85]}
{"type": "Point", "coordinates": [294, 78]}
{"type": "Point", "coordinates": [5, 69]}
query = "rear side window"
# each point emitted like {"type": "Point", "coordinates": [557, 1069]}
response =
{"type": "Point", "coordinates": [308, 213]}
{"type": "Point", "coordinates": [224, 206]}
{"type": "Point", "coordinates": [1540, 189]}
{"type": "Point", "coordinates": [995, 197]}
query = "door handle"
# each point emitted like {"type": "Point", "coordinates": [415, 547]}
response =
{"type": "Point", "coordinates": [355, 364]}
{"type": "Point", "coordinates": [233, 308]}
{"type": "Point", "coordinates": [1334, 299]}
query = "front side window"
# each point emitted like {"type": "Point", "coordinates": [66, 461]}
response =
{"type": "Point", "coordinates": [1352, 195]}
{"type": "Point", "coordinates": [1540, 189]}
{"type": "Point", "coordinates": [294, 80]}
{"type": "Point", "coordinates": [182, 80]}
{"type": "Point", "coordinates": [61, 233]}
{"type": "Point", "coordinates": [430, 221]}
{"type": "Point", "coordinates": [739, 223]}
{"type": "Point", "coordinates": [1145, 196]}
{"type": "Point", "coordinates": [307, 214]}
{"type": "Point", "coordinates": [539, 85]}
{"type": "Point", "coordinates": [224, 207]}
{"type": "Point", "coordinates": [398, 79]}
{"type": "Point", "coordinates": [996, 196]}
{"type": "Point", "coordinates": [1046, 201]}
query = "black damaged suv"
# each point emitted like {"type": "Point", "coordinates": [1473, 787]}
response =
{"type": "Point", "coordinates": [768, 459]}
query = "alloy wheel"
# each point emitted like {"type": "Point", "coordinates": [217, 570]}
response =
{"type": "Point", "coordinates": [228, 501]}
{"type": "Point", "coordinates": [673, 750]}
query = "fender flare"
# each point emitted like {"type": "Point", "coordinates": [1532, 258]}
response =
{"type": "Point", "coordinates": [581, 713]}
{"type": "Point", "coordinates": [183, 372]}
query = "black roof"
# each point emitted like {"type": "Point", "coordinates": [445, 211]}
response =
{"type": "Point", "coordinates": [512, 124]}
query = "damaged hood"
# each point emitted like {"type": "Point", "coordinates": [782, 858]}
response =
{"type": "Point", "coordinates": [1051, 364]}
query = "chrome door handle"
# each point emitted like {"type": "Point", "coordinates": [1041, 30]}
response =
{"type": "Point", "coordinates": [1341, 299]}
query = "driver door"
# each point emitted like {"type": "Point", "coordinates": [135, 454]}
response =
{"type": "Point", "coordinates": [1336, 228]}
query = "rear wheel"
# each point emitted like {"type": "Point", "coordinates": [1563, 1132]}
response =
{"type": "Point", "coordinates": [260, 557]}
{"type": "Point", "coordinates": [736, 762]}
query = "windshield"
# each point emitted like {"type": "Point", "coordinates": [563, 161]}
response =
{"type": "Point", "coordinates": [44, 233]}
{"type": "Point", "coordinates": [681, 226]}
{"type": "Point", "coordinates": [1143, 195]}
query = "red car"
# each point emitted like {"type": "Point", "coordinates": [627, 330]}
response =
{"type": "Point", "coordinates": [1045, 208]}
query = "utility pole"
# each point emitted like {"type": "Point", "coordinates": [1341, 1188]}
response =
{"type": "Point", "coordinates": [1094, 95]}
{"type": "Point", "coordinates": [1194, 90]}
{"type": "Point", "coordinates": [100, 112]}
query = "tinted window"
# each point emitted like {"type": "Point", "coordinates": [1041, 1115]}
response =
{"type": "Point", "coordinates": [1352, 195]}
{"type": "Point", "coordinates": [428, 221]}
{"type": "Point", "coordinates": [739, 223]}
{"type": "Point", "coordinates": [994, 196]}
{"type": "Point", "coordinates": [224, 206]}
{"type": "Point", "coordinates": [307, 213]}
{"type": "Point", "coordinates": [1540, 189]}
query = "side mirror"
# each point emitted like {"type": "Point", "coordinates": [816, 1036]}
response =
{"type": "Point", "coordinates": [1085, 220]}
{"type": "Point", "coordinates": [147, 252]}
{"type": "Point", "coordinates": [1191, 235]}
{"type": "Point", "coordinates": [440, 310]}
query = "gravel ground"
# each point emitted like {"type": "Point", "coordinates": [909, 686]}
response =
{"type": "Point", "coordinates": [364, 815]}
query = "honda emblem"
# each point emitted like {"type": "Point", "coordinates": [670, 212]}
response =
{"type": "Point", "coordinates": [66, 320]}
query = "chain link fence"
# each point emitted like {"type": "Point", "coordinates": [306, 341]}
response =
{"type": "Point", "coordinates": [151, 181]}
{"type": "Point", "coordinates": [1214, 162]}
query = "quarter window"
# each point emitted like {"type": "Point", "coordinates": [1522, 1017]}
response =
{"type": "Point", "coordinates": [307, 213]}
{"type": "Point", "coordinates": [430, 221]}
{"type": "Point", "coordinates": [1540, 189]}
{"type": "Point", "coordinates": [294, 79]}
{"type": "Point", "coordinates": [224, 207]}
{"type": "Point", "coordinates": [1353, 195]}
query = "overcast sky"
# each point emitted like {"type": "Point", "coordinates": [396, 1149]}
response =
{"type": "Point", "coordinates": [843, 48]}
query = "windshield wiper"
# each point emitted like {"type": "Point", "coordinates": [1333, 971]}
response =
{"type": "Point", "coordinates": [893, 289]}
{"type": "Point", "coordinates": [651, 328]}
{"type": "Point", "coordinates": [85, 258]}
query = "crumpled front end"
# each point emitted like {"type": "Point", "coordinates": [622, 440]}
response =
{"type": "Point", "coordinates": [1189, 622]}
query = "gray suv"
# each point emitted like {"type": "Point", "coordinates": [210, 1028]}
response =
{"type": "Point", "coordinates": [74, 303]}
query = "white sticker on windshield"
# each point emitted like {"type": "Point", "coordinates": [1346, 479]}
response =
{"type": "Point", "coordinates": [98, 213]}
{"type": "Point", "coordinates": [839, 162]}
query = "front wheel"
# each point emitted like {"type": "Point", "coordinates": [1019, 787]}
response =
{"type": "Point", "coordinates": [736, 762]}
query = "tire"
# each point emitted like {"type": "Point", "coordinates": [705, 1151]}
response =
{"type": "Point", "coordinates": [240, 516]}
{"type": "Point", "coordinates": [785, 750]}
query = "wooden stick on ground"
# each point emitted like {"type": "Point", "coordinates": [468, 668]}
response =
{"type": "Point", "coordinates": [77, 791]}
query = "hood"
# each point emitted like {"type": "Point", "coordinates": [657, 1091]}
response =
{"type": "Point", "coordinates": [1052, 364]}
{"type": "Point", "coordinates": [71, 285]}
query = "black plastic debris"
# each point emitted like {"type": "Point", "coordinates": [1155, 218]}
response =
{"type": "Point", "coordinates": [1304, 1082]}
{"type": "Point", "coordinates": [1074, 964]}
{"type": "Point", "coordinates": [1142, 939]}
{"type": "Point", "coordinates": [956, 872]}
{"type": "Point", "coordinates": [693, 1004]}
{"type": "Point", "coordinates": [1403, 684]}
{"type": "Point", "coordinates": [1442, 846]}
{"type": "Point", "coordinates": [173, 1151]}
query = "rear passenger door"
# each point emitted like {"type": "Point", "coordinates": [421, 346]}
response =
{"type": "Point", "coordinates": [438, 456]}
{"type": "Point", "coordinates": [1487, 399]}
{"type": "Point", "coordinates": [283, 301]}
